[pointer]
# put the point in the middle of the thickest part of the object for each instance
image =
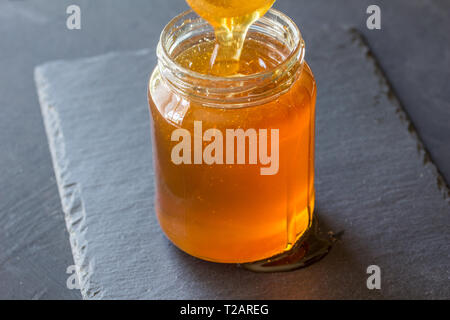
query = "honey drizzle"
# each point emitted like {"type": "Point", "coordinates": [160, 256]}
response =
{"type": "Point", "coordinates": [231, 20]}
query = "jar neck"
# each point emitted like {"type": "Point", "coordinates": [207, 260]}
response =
{"type": "Point", "coordinates": [188, 29]}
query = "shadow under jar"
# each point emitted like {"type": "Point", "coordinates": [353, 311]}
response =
{"type": "Point", "coordinates": [233, 201]}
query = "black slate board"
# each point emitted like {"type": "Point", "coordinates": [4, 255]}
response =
{"type": "Point", "coordinates": [372, 183]}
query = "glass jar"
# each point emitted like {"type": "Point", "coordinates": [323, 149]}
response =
{"type": "Point", "coordinates": [233, 156]}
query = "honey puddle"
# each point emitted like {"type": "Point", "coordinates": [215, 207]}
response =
{"type": "Point", "coordinates": [310, 248]}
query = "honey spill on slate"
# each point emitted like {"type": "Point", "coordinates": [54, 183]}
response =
{"type": "Point", "coordinates": [310, 248]}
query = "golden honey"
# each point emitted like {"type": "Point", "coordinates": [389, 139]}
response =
{"type": "Point", "coordinates": [230, 20]}
{"type": "Point", "coordinates": [230, 212]}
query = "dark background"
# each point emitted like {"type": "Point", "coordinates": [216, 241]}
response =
{"type": "Point", "coordinates": [413, 48]}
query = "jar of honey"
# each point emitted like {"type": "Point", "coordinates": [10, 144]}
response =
{"type": "Point", "coordinates": [233, 154]}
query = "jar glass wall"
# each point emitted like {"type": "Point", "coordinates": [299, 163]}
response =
{"type": "Point", "coordinates": [256, 200]}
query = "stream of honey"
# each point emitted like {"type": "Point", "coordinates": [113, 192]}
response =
{"type": "Point", "coordinates": [230, 20]}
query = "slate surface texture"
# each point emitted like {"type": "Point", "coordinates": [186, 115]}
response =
{"type": "Point", "coordinates": [374, 184]}
{"type": "Point", "coordinates": [413, 48]}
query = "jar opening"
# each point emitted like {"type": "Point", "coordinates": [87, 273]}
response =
{"type": "Point", "coordinates": [188, 29]}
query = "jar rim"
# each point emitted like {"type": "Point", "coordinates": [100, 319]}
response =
{"type": "Point", "coordinates": [240, 89]}
{"type": "Point", "coordinates": [282, 16]}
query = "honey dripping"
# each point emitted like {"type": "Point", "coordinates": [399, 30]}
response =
{"type": "Point", "coordinates": [230, 20]}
